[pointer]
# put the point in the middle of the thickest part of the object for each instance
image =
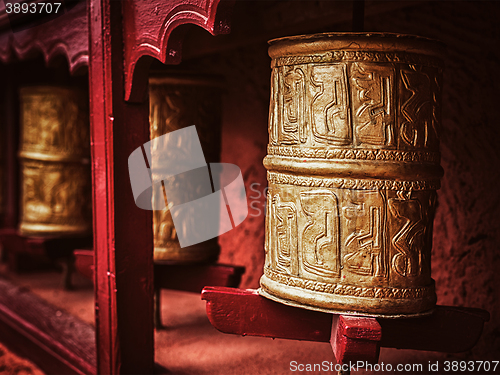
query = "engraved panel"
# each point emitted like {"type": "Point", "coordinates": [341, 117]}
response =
{"type": "Point", "coordinates": [329, 105]}
{"type": "Point", "coordinates": [273, 109]}
{"type": "Point", "coordinates": [292, 125]}
{"type": "Point", "coordinates": [411, 230]}
{"type": "Point", "coordinates": [372, 89]}
{"type": "Point", "coordinates": [320, 238]}
{"type": "Point", "coordinates": [417, 112]}
{"type": "Point", "coordinates": [364, 245]}
{"type": "Point", "coordinates": [284, 242]}
{"type": "Point", "coordinates": [268, 262]}
{"type": "Point", "coordinates": [436, 85]}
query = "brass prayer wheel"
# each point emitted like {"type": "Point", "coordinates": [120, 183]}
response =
{"type": "Point", "coordinates": [353, 169]}
{"type": "Point", "coordinates": [177, 102]}
{"type": "Point", "coordinates": [55, 162]}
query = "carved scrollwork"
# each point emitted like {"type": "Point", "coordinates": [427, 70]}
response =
{"type": "Point", "coordinates": [65, 35]}
{"type": "Point", "coordinates": [349, 183]}
{"type": "Point", "coordinates": [350, 290]}
{"type": "Point", "coordinates": [157, 36]}
{"type": "Point", "coordinates": [354, 154]}
{"type": "Point", "coordinates": [365, 56]}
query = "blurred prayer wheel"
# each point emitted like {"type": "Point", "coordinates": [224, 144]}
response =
{"type": "Point", "coordinates": [353, 168]}
{"type": "Point", "coordinates": [177, 102]}
{"type": "Point", "coordinates": [54, 154]}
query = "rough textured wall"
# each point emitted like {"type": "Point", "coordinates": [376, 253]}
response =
{"type": "Point", "coordinates": [466, 260]}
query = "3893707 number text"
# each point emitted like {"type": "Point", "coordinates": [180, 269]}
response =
{"type": "Point", "coordinates": [484, 366]}
{"type": "Point", "coordinates": [32, 7]}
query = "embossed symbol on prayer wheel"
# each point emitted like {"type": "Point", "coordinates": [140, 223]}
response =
{"type": "Point", "coordinates": [55, 162]}
{"type": "Point", "coordinates": [177, 102]}
{"type": "Point", "coordinates": [353, 168]}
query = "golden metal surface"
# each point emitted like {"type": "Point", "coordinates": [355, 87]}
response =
{"type": "Point", "coordinates": [353, 168]}
{"type": "Point", "coordinates": [177, 102]}
{"type": "Point", "coordinates": [54, 153]}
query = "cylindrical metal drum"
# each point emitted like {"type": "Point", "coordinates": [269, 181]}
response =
{"type": "Point", "coordinates": [177, 102]}
{"type": "Point", "coordinates": [55, 162]}
{"type": "Point", "coordinates": [353, 168]}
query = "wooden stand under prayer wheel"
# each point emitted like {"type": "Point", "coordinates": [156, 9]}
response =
{"type": "Point", "coordinates": [55, 204]}
{"type": "Point", "coordinates": [353, 169]}
{"type": "Point", "coordinates": [184, 277]}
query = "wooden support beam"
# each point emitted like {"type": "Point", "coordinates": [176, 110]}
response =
{"type": "Point", "coordinates": [245, 312]}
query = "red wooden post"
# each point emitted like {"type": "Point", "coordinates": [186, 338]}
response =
{"type": "Point", "coordinates": [10, 135]}
{"type": "Point", "coordinates": [355, 338]}
{"type": "Point", "coordinates": [123, 239]}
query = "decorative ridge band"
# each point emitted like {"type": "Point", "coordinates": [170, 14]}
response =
{"type": "Point", "coordinates": [35, 156]}
{"type": "Point", "coordinates": [350, 290]}
{"type": "Point", "coordinates": [343, 55]}
{"type": "Point", "coordinates": [351, 183]}
{"type": "Point", "coordinates": [388, 170]}
{"type": "Point", "coordinates": [355, 154]}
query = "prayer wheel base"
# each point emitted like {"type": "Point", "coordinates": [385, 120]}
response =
{"type": "Point", "coordinates": [53, 230]}
{"type": "Point", "coordinates": [332, 303]}
{"type": "Point", "coordinates": [187, 255]}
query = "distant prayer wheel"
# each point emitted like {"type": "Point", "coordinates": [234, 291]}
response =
{"type": "Point", "coordinates": [177, 102]}
{"type": "Point", "coordinates": [55, 162]}
{"type": "Point", "coordinates": [353, 169]}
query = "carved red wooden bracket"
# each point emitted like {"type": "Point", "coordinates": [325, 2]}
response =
{"type": "Point", "coordinates": [151, 30]}
{"type": "Point", "coordinates": [159, 37]}
{"type": "Point", "coordinates": [66, 36]}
